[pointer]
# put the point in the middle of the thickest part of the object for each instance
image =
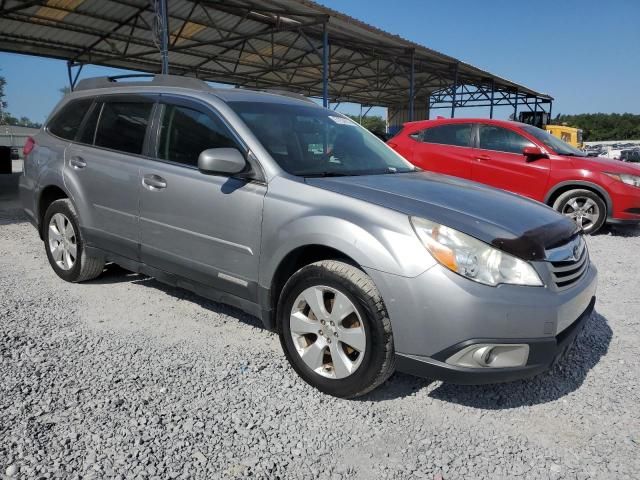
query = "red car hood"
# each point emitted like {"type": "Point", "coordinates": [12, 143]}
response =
{"type": "Point", "coordinates": [603, 164]}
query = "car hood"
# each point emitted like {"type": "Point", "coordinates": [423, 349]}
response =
{"type": "Point", "coordinates": [517, 225]}
{"type": "Point", "coordinates": [604, 164]}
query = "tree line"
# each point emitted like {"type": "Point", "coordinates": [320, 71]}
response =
{"type": "Point", "coordinates": [603, 126]}
{"type": "Point", "coordinates": [6, 118]}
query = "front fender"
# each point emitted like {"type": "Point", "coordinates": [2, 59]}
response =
{"type": "Point", "coordinates": [373, 236]}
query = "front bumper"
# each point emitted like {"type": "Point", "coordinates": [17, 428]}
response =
{"type": "Point", "coordinates": [437, 313]}
{"type": "Point", "coordinates": [626, 203]}
{"type": "Point", "coordinates": [543, 354]}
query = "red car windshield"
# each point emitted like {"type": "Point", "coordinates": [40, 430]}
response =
{"type": "Point", "coordinates": [554, 143]}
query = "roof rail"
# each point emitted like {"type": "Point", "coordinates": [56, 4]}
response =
{"type": "Point", "coordinates": [156, 80]}
{"type": "Point", "coordinates": [278, 91]}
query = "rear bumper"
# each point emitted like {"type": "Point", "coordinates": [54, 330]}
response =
{"type": "Point", "coordinates": [543, 354]}
{"type": "Point", "coordinates": [26, 192]}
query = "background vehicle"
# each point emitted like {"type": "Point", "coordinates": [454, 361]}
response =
{"type": "Point", "coordinates": [529, 161]}
{"type": "Point", "coordinates": [570, 135]}
{"type": "Point", "coordinates": [299, 216]}
{"type": "Point", "coordinates": [632, 155]}
{"type": "Point", "coordinates": [594, 151]}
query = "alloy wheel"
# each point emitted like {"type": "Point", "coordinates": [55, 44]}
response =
{"type": "Point", "coordinates": [328, 332]}
{"type": "Point", "coordinates": [583, 210]}
{"type": "Point", "coordinates": [63, 241]}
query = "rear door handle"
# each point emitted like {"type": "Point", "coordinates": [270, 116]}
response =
{"type": "Point", "coordinates": [154, 182]}
{"type": "Point", "coordinates": [482, 158]}
{"type": "Point", "coordinates": [77, 162]}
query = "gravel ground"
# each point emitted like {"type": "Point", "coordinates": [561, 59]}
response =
{"type": "Point", "coordinates": [123, 377]}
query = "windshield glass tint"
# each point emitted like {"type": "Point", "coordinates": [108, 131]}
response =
{"type": "Point", "coordinates": [554, 143]}
{"type": "Point", "coordinates": [312, 141]}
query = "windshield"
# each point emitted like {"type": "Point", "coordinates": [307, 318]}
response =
{"type": "Point", "coordinates": [312, 141]}
{"type": "Point", "coordinates": [554, 143]}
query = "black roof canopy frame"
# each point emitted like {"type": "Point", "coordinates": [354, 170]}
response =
{"type": "Point", "coordinates": [295, 45]}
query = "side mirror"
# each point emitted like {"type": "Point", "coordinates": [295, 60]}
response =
{"type": "Point", "coordinates": [222, 161]}
{"type": "Point", "coordinates": [533, 153]}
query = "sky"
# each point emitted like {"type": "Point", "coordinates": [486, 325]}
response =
{"type": "Point", "coordinates": [585, 53]}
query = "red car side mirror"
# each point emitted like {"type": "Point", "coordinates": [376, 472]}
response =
{"type": "Point", "coordinates": [533, 153]}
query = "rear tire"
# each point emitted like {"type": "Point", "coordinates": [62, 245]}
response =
{"type": "Point", "coordinates": [585, 207]}
{"type": "Point", "coordinates": [65, 246]}
{"type": "Point", "coordinates": [355, 354]}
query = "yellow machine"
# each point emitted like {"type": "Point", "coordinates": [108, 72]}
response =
{"type": "Point", "coordinates": [571, 135]}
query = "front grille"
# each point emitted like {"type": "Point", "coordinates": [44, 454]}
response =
{"type": "Point", "coordinates": [567, 271]}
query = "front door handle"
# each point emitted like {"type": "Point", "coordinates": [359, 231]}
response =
{"type": "Point", "coordinates": [483, 157]}
{"type": "Point", "coordinates": [77, 162]}
{"type": "Point", "coordinates": [154, 182]}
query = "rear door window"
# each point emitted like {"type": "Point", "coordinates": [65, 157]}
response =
{"type": "Point", "coordinates": [123, 125]}
{"type": "Point", "coordinates": [67, 122]}
{"type": "Point", "coordinates": [187, 132]}
{"type": "Point", "coordinates": [458, 135]}
{"type": "Point", "coordinates": [501, 139]}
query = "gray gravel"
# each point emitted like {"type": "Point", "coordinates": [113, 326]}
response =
{"type": "Point", "coordinates": [123, 377]}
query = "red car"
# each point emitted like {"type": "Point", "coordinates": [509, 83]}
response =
{"type": "Point", "coordinates": [529, 161]}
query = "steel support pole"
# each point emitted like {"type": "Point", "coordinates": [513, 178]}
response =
{"type": "Point", "coordinates": [550, 104]}
{"type": "Point", "coordinates": [70, 76]}
{"type": "Point", "coordinates": [515, 108]}
{"type": "Point", "coordinates": [73, 79]}
{"type": "Point", "coordinates": [325, 66]}
{"type": "Point", "coordinates": [412, 86]}
{"type": "Point", "coordinates": [455, 90]}
{"type": "Point", "coordinates": [493, 91]}
{"type": "Point", "coordinates": [163, 13]}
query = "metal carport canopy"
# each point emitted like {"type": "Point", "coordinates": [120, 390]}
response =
{"type": "Point", "coordinates": [295, 45]}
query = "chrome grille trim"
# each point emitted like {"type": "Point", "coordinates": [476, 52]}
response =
{"type": "Point", "coordinates": [568, 263]}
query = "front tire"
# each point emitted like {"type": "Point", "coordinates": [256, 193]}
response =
{"type": "Point", "coordinates": [334, 329]}
{"type": "Point", "coordinates": [64, 244]}
{"type": "Point", "coordinates": [584, 207]}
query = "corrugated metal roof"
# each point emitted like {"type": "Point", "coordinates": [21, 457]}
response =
{"type": "Point", "coordinates": [253, 43]}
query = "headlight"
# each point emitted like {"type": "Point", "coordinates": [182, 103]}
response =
{"type": "Point", "coordinates": [627, 178]}
{"type": "Point", "coordinates": [472, 258]}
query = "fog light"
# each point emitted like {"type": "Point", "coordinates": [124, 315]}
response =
{"type": "Point", "coordinates": [488, 355]}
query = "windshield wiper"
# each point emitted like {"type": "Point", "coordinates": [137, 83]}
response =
{"type": "Point", "coordinates": [325, 174]}
{"type": "Point", "coordinates": [385, 171]}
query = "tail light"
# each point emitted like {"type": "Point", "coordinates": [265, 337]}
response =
{"type": "Point", "coordinates": [28, 146]}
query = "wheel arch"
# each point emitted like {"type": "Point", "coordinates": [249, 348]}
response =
{"type": "Point", "coordinates": [292, 262]}
{"type": "Point", "coordinates": [389, 244]}
{"type": "Point", "coordinates": [563, 187]}
{"type": "Point", "coordinates": [47, 196]}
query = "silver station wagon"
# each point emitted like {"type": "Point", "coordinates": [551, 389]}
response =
{"type": "Point", "coordinates": [362, 263]}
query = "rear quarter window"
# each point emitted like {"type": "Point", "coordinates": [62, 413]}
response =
{"type": "Point", "coordinates": [67, 121]}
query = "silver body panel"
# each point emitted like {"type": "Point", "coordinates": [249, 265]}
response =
{"type": "Point", "coordinates": [200, 225]}
{"type": "Point", "coordinates": [233, 235]}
